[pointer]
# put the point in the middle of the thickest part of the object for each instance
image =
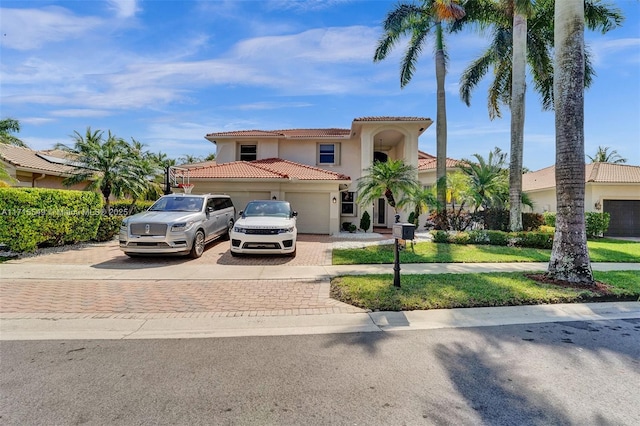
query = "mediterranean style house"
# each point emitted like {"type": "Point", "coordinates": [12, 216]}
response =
{"type": "Point", "coordinates": [36, 169]}
{"type": "Point", "coordinates": [316, 170]}
{"type": "Point", "coordinates": [611, 188]}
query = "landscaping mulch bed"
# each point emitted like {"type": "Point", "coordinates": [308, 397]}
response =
{"type": "Point", "coordinates": [600, 288]}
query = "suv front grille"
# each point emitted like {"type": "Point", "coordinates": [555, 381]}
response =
{"type": "Point", "coordinates": [262, 231]}
{"type": "Point", "coordinates": [151, 229]}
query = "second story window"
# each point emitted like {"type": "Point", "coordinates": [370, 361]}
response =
{"type": "Point", "coordinates": [248, 152]}
{"type": "Point", "coordinates": [328, 154]}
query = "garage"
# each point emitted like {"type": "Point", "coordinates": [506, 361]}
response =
{"type": "Point", "coordinates": [240, 199]}
{"type": "Point", "coordinates": [313, 211]}
{"type": "Point", "coordinates": [625, 218]}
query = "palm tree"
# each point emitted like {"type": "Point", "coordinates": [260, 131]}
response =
{"type": "Point", "coordinates": [189, 159]}
{"type": "Point", "coordinates": [604, 156]}
{"type": "Point", "coordinates": [569, 255]}
{"type": "Point", "coordinates": [422, 199]}
{"type": "Point", "coordinates": [107, 165]}
{"type": "Point", "coordinates": [514, 44]}
{"type": "Point", "coordinates": [418, 22]}
{"type": "Point", "coordinates": [488, 179]}
{"type": "Point", "coordinates": [8, 126]}
{"type": "Point", "coordinates": [390, 179]}
{"type": "Point", "coordinates": [145, 183]}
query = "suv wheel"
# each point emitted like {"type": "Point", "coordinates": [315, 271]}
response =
{"type": "Point", "coordinates": [198, 245]}
{"type": "Point", "coordinates": [227, 234]}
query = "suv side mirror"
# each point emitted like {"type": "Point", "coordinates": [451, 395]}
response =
{"type": "Point", "coordinates": [294, 214]}
{"type": "Point", "coordinates": [210, 209]}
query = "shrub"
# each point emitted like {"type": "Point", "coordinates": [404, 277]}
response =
{"type": "Point", "coordinates": [532, 221]}
{"type": "Point", "coordinates": [352, 228]}
{"type": "Point", "coordinates": [498, 238]}
{"type": "Point", "coordinates": [37, 217]}
{"type": "Point", "coordinates": [549, 219]}
{"type": "Point", "coordinates": [596, 224]}
{"type": "Point", "coordinates": [365, 221]}
{"type": "Point", "coordinates": [460, 238]}
{"type": "Point", "coordinates": [547, 229]}
{"type": "Point", "coordinates": [534, 239]}
{"type": "Point", "coordinates": [346, 226]}
{"type": "Point", "coordinates": [495, 219]}
{"type": "Point", "coordinates": [478, 236]}
{"type": "Point", "coordinates": [109, 227]}
{"type": "Point", "coordinates": [440, 236]}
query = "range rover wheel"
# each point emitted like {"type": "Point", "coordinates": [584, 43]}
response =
{"type": "Point", "coordinates": [198, 245]}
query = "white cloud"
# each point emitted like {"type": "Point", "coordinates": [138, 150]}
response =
{"type": "Point", "coordinates": [80, 113]}
{"type": "Point", "coordinates": [124, 8]}
{"type": "Point", "coordinates": [628, 49]}
{"type": "Point", "coordinates": [26, 29]}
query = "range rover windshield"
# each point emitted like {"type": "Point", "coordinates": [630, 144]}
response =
{"type": "Point", "coordinates": [268, 208]}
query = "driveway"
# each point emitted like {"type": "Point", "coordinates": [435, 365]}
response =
{"type": "Point", "coordinates": [98, 280]}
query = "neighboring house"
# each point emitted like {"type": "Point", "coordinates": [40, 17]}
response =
{"type": "Point", "coordinates": [36, 169]}
{"type": "Point", "coordinates": [316, 170]}
{"type": "Point", "coordinates": [612, 188]}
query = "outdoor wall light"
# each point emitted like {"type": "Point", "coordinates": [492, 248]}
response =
{"type": "Point", "coordinates": [334, 200]}
{"type": "Point", "coordinates": [274, 198]}
{"type": "Point", "coordinates": [598, 205]}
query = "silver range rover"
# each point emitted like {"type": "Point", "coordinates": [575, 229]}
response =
{"type": "Point", "coordinates": [178, 223]}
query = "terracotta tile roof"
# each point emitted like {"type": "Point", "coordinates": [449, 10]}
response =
{"type": "Point", "coordinates": [430, 163]}
{"type": "Point", "coordinates": [424, 155]}
{"type": "Point", "coordinates": [594, 172]}
{"type": "Point", "coordinates": [385, 118]}
{"type": "Point", "coordinates": [51, 161]}
{"type": "Point", "coordinates": [287, 134]}
{"type": "Point", "coordinates": [270, 168]}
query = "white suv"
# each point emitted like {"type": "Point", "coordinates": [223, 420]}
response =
{"type": "Point", "coordinates": [265, 226]}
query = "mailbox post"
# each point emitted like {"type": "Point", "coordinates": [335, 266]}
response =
{"type": "Point", "coordinates": [401, 231]}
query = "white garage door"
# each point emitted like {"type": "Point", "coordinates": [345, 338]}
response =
{"type": "Point", "coordinates": [313, 211]}
{"type": "Point", "coordinates": [240, 199]}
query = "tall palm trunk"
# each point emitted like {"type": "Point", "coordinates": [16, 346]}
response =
{"type": "Point", "coordinates": [441, 123]}
{"type": "Point", "coordinates": [569, 256]}
{"type": "Point", "coordinates": [518, 87]}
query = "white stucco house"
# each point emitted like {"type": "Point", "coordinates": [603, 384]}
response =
{"type": "Point", "coordinates": [612, 188]}
{"type": "Point", "coordinates": [316, 170]}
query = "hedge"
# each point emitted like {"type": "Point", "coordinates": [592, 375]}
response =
{"type": "Point", "coordinates": [37, 217]}
{"type": "Point", "coordinates": [533, 239]}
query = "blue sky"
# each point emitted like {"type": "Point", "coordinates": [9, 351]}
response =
{"type": "Point", "coordinates": [168, 72]}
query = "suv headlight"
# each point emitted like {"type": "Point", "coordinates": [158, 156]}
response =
{"type": "Point", "coordinates": [285, 230]}
{"type": "Point", "coordinates": [123, 225]}
{"type": "Point", "coordinates": [181, 226]}
{"type": "Point", "coordinates": [239, 229]}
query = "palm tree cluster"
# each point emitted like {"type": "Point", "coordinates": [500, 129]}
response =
{"type": "Point", "coordinates": [114, 166]}
{"type": "Point", "coordinates": [524, 32]}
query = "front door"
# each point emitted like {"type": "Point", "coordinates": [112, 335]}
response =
{"type": "Point", "coordinates": [380, 212]}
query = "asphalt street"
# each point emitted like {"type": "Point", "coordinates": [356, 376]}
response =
{"type": "Point", "coordinates": [562, 373]}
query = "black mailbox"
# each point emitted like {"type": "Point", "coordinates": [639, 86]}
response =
{"type": "Point", "coordinates": [404, 231]}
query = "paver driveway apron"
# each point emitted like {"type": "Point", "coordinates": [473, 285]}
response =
{"type": "Point", "coordinates": [100, 280]}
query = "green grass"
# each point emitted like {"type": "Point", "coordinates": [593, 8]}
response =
{"type": "Point", "coordinates": [605, 250]}
{"type": "Point", "coordinates": [418, 292]}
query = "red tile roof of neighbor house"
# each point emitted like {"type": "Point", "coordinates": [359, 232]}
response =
{"type": "Point", "coordinates": [270, 168]}
{"type": "Point", "coordinates": [51, 161]}
{"type": "Point", "coordinates": [430, 163]}
{"type": "Point", "coordinates": [594, 172]}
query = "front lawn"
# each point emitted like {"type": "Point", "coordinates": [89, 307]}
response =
{"type": "Point", "coordinates": [604, 250]}
{"type": "Point", "coordinates": [418, 292]}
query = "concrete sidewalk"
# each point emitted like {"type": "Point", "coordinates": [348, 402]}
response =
{"type": "Point", "coordinates": [174, 328]}
{"type": "Point", "coordinates": [163, 271]}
